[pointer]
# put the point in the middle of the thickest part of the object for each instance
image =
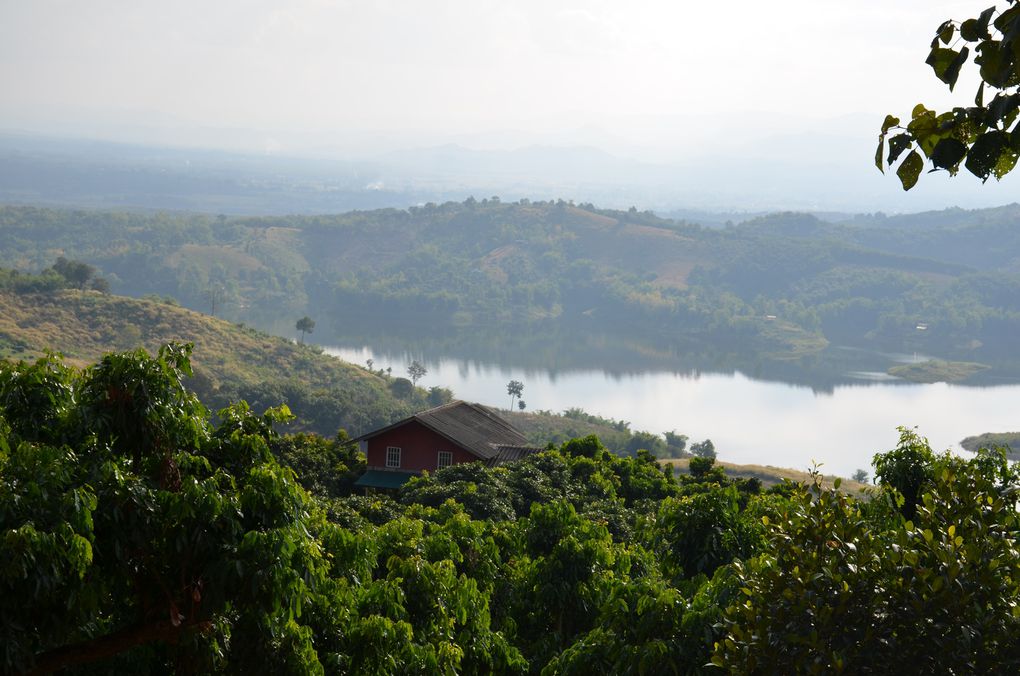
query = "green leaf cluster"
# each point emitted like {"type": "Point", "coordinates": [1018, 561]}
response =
{"type": "Point", "coordinates": [980, 137]}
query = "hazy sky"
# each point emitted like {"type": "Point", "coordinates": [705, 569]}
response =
{"type": "Point", "coordinates": [650, 78]}
{"type": "Point", "coordinates": [465, 65]}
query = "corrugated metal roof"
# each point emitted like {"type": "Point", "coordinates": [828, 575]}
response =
{"type": "Point", "coordinates": [473, 427]}
{"type": "Point", "coordinates": [506, 453]}
{"type": "Point", "coordinates": [375, 478]}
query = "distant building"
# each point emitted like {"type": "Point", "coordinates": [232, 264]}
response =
{"type": "Point", "coordinates": [447, 435]}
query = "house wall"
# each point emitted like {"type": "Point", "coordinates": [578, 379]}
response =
{"type": "Point", "coordinates": [419, 448]}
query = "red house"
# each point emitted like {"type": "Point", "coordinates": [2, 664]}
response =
{"type": "Point", "coordinates": [439, 437]}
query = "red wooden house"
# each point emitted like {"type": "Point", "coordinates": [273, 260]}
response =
{"type": "Point", "coordinates": [439, 437]}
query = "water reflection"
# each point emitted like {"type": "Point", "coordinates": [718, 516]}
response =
{"type": "Point", "coordinates": [780, 413]}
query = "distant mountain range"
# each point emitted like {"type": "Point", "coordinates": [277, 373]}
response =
{"type": "Point", "coordinates": [814, 173]}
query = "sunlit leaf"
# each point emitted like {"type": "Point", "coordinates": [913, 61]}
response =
{"type": "Point", "coordinates": [910, 169]}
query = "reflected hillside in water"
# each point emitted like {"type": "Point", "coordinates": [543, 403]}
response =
{"type": "Point", "coordinates": [557, 350]}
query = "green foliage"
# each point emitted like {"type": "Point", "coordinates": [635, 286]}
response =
{"type": "Point", "coordinates": [20, 282]}
{"type": "Point", "coordinates": [703, 469]}
{"type": "Point", "coordinates": [305, 325]}
{"type": "Point", "coordinates": [704, 449]}
{"type": "Point", "coordinates": [75, 272]}
{"type": "Point", "coordinates": [479, 273]}
{"type": "Point", "coordinates": [416, 371]}
{"type": "Point", "coordinates": [129, 520]}
{"type": "Point", "coordinates": [514, 388]}
{"type": "Point", "coordinates": [140, 537]}
{"type": "Point", "coordinates": [908, 469]}
{"type": "Point", "coordinates": [402, 388]}
{"type": "Point", "coordinates": [977, 137]}
{"type": "Point", "coordinates": [325, 467]}
{"type": "Point", "coordinates": [841, 591]}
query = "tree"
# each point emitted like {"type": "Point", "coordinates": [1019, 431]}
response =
{"type": "Point", "coordinates": [521, 405]}
{"type": "Point", "coordinates": [131, 523]}
{"type": "Point", "coordinates": [860, 476]}
{"type": "Point", "coordinates": [704, 449]}
{"type": "Point", "coordinates": [215, 295]}
{"type": "Point", "coordinates": [305, 325]}
{"type": "Point", "coordinates": [676, 443]}
{"type": "Point", "coordinates": [417, 371]}
{"type": "Point", "coordinates": [514, 388]}
{"type": "Point", "coordinates": [978, 136]}
{"type": "Point", "coordinates": [76, 273]}
{"type": "Point", "coordinates": [850, 588]}
{"type": "Point", "coordinates": [101, 285]}
{"type": "Point", "coordinates": [439, 395]}
{"type": "Point", "coordinates": [402, 388]}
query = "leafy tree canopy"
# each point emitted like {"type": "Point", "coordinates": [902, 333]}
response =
{"type": "Point", "coordinates": [130, 522]}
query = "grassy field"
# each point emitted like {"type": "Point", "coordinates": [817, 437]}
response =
{"type": "Point", "coordinates": [769, 475]}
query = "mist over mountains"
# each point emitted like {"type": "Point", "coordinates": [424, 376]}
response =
{"type": "Point", "coordinates": [817, 171]}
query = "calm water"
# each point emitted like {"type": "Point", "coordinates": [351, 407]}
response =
{"type": "Point", "coordinates": [750, 421]}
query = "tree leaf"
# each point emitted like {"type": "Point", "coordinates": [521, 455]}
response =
{"type": "Point", "coordinates": [1001, 107]}
{"type": "Point", "coordinates": [889, 123]}
{"type": "Point", "coordinates": [970, 31]}
{"type": "Point", "coordinates": [947, 153]}
{"type": "Point", "coordinates": [946, 32]}
{"type": "Point", "coordinates": [984, 153]}
{"type": "Point", "coordinates": [1006, 162]}
{"type": "Point", "coordinates": [996, 63]}
{"type": "Point", "coordinates": [910, 170]}
{"type": "Point", "coordinates": [897, 145]}
{"type": "Point", "coordinates": [879, 153]}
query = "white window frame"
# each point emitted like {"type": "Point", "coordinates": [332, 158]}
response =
{"type": "Point", "coordinates": [448, 455]}
{"type": "Point", "coordinates": [393, 457]}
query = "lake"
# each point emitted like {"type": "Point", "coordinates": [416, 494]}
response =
{"type": "Point", "coordinates": [840, 422]}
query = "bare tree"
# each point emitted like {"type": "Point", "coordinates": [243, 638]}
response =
{"type": "Point", "coordinates": [215, 295]}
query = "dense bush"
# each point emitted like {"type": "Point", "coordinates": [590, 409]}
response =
{"type": "Point", "coordinates": [139, 537]}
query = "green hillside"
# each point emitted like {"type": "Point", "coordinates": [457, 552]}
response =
{"type": "Point", "coordinates": [781, 285]}
{"type": "Point", "coordinates": [233, 361]}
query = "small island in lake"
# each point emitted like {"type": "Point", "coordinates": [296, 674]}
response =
{"type": "Point", "coordinates": [936, 371]}
{"type": "Point", "coordinates": [1008, 440]}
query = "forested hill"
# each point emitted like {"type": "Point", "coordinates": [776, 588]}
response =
{"type": "Point", "coordinates": [782, 284]}
{"type": "Point", "coordinates": [233, 362]}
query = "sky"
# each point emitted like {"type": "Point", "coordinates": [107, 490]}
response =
{"type": "Point", "coordinates": [655, 80]}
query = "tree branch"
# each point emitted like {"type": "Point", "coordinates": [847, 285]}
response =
{"type": "Point", "coordinates": [112, 644]}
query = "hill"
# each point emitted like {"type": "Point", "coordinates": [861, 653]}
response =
{"type": "Point", "coordinates": [781, 285]}
{"type": "Point", "coordinates": [230, 361]}
{"type": "Point", "coordinates": [233, 361]}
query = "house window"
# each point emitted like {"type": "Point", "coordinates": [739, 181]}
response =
{"type": "Point", "coordinates": [393, 456]}
{"type": "Point", "coordinates": [445, 459]}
